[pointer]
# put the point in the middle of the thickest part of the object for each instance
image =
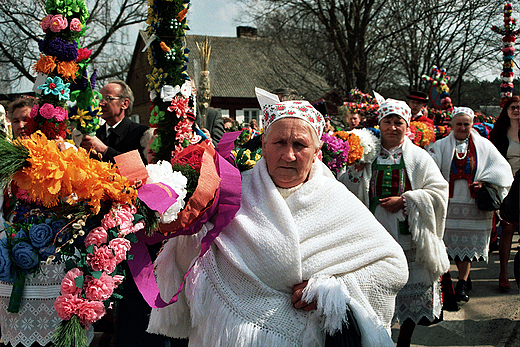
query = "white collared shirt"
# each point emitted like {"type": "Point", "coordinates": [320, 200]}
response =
{"type": "Point", "coordinates": [112, 127]}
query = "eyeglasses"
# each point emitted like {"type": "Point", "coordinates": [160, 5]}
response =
{"type": "Point", "coordinates": [514, 108]}
{"type": "Point", "coordinates": [107, 99]}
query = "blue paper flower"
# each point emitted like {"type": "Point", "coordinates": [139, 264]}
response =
{"type": "Point", "coordinates": [45, 252]}
{"type": "Point", "coordinates": [5, 263]}
{"type": "Point", "coordinates": [25, 255]}
{"type": "Point", "coordinates": [58, 225]}
{"type": "Point", "coordinates": [21, 234]}
{"type": "Point", "coordinates": [41, 235]}
{"type": "Point", "coordinates": [55, 86]}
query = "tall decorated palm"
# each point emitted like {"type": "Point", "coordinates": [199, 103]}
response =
{"type": "Point", "coordinates": [204, 87]}
{"type": "Point", "coordinates": [168, 83]}
{"type": "Point", "coordinates": [509, 34]}
{"type": "Point", "coordinates": [62, 71]}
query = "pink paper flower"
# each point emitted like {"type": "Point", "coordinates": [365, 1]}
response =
{"type": "Point", "coordinates": [121, 217]}
{"type": "Point", "coordinates": [179, 106]}
{"type": "Point", "coordinates": [90, 312]}
{"type": "Point", "coordinates": [103, 259]}
{"type": "Point", "coordinates": [120, 246]}
{"type": "Point", "coordinates": [47, 111]}
{"type": "Point", "coordinates": [83, 54]}
{"type": "Point", "coordinates": [58, 23]}
{"type": "Point", "coordinates": [68, 286]}
{"type": "Point", "coordinates": [67, 305]}
{"type": "Point", "coordinates": [118, 279]}
{"type": "Point", "coordinates": [46, 22]}
{"type": "Point", "coordinates": [34, 110]}
{"type": "Point", "coordinates": [23, 195]}
{"type": "Point", "coordinates": [138, 226]}
{"type": "Point", "coordinates": [60, 114]}
{"type": "Point", "coordinates": [99, 289]}
{"type": "Point", "coordinates": [75, 25]}
{"type": "Point", "coordinates": [97, 236]}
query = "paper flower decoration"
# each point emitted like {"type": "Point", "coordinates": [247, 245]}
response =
{"type": "Point", "coordinates": [370, 144]}
{"type": "Point", "coordinates": [156, 79]}
{"type": "Point", "coordinates": [55, 86]}
{"type": "Point", "coordinates": [335, 152]}
{"type": "Point", "coordinates": [508, 50]}
{"type": "Point", "coordinates": [162, 173]}
{"type": "Point", "coordinates": [439, 80]}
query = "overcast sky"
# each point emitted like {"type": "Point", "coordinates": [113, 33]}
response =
{"type": "Point", "coordinates": [214, 17]}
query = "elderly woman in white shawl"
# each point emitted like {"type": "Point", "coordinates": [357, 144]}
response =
{"type": "Point", "coordinates": [300, 251]}
{"type": "Point", "coordinates": [466, 160]}
{"type": "Point", "coordinates": [408, 195]}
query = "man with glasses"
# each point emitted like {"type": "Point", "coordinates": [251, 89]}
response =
{"type": "Point", "coordinates": [119, 134]}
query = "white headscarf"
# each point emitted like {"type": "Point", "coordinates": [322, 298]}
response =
{"type": "Point", "coordinates": [462, 110]}
{"type": "Point", "coordinates": [398, 107]}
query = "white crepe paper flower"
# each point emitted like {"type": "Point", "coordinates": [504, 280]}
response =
{"type": "Point", "coordinates": [162, 173]}
{"type": "Point", "coordinates": [186, 89]}
{"type": "Point", "coordinates": [370, 144]}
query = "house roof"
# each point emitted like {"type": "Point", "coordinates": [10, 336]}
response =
{"type": "Point", "coordinates": [239, 64]}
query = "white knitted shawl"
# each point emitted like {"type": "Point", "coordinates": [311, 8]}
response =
{"type": "Point", "coordinates": [492, 167]}
{"type": "Point", "coordinates": [239, 294]}
{"type": "Point", "coordinates": [426, 207]}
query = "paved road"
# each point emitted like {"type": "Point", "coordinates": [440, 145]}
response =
{"type": "Point", "coordinates": [490, 318]}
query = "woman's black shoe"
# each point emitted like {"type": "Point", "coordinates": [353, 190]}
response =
{"type": "Point", "coordinates": [469, 286]}
{"type": "Point", "coordinates": [460, 291]}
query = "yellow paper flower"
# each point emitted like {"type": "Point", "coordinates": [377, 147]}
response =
{"type": "Point", "coordinates": [81, 116]}
{"type": "Point", "coordinates": [149, 55]}
{"type": "Point", "coordinates": [45, 64]}
{"type": "Point", "coordinates": [156, 79]}
{"type": "Point", "coordinates": [426, 134]}
{"type": "Point", "coordinates": [151, 17]}
{"type": "Point", "coordinates": [53, 174]}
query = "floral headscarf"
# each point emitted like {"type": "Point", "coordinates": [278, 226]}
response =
{"type": "Point", "coordinates": [295, 109]}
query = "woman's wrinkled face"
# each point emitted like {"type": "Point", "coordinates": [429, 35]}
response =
{"type": "Point", "coordinates": [461, 126]}
{"type": "Point", "coordinates": [393, 129]}
{"type": "Point", "coordinates": [513, 111]}
{"type": "Point", "coordinates": [19, 121]}
{"type": "Point", "coordinates": [289, 149]}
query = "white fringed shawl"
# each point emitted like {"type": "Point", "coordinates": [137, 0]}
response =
{"type": "Point", "coordinates": [426, 205]}
{"type": "Point", "coordinates": [239, 294]}
{"type": "Point", "coordinates": [492, 167]}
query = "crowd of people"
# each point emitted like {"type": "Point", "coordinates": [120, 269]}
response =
{"type": "Point", "coordinates": [294, 269]}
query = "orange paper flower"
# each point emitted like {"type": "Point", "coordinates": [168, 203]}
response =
{"type": "Point", "coordinates": [356, 150]}
{"type": "Point", "coordinates": [424, 134]}
{"type": "Point", "coordinates": [182, 14]}
{"type": "Point", "coordinates": [54, 174]}
{"type": "Point", "coordinates": [45, 64]}
{"type": "Point", "coordinates": [164, 47]}
{"type": "Point", "coordinates": [68, 69]}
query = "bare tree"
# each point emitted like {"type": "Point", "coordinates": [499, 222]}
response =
{"type": "Point", "coordinates": [107, 36]}
{"type": "Point", "coordinates": [455, 35]}
{"type": "Point", "coordinates": [383, 43]}
{"type": "Point", "coordinates": [331, 34]}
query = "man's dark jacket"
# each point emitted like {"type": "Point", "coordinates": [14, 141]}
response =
{"type": "Point", "coordinates": [126, 137]}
